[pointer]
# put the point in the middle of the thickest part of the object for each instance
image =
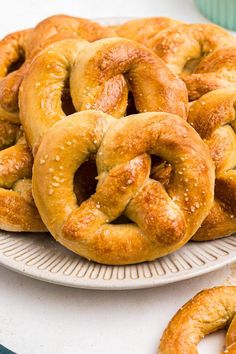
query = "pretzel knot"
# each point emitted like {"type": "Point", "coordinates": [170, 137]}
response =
{"type": "Point", "coordinates": [213, 117]}
{"type": "Point", "coordinates": [18, 211]}
{"type": "Point", "coordinates": [100, 74]}
{"type": "Point", "coordinates": [195, 53]}
{"type": "Point", "coordinates": [207, 312]}
{"type": "Point", "coordinates": [18, 49]}
{"type": "Point", "coordinates": [162, 220]}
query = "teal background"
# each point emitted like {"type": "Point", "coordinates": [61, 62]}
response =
{"type": "Point", "coordinates": [4, 350]}
{"type": "Point", "coordinates": [222, 12]}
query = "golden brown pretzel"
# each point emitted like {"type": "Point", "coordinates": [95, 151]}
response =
{"type": "Point", "coordinates": [99, 73]}
{"type": "Point", "coordinates": [162, 220]}
{"type": "Point", "coordinates": [143, 29]}
{"type": "Point", "coordinates": [217, 70]}
{"type": "Point", "coordinates": [59, 27]}
{"type": "Point", "coordinates": [185, 49]}
{"type": "Point", "coordinates": [153, 86]}
{"type": "Point", "coordinates": [213, 117]}
{"type": "Point", "coordinates": [207, 312]}
{"type": "Point", "coordinates": [17, 211]}
{"type": "Point", "coordinates": [13, 51]}
{"type": "Point", "coordinates": [21, 47]}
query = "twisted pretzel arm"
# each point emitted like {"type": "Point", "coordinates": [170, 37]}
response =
{"type": "Point", "coordinates": [124, 185]}
{"type": "Point", "coordinates": [207, 312]}
{"type": "Point", "coordinates": [153, 86]}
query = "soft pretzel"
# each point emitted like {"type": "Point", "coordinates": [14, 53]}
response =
{"type": "Point", "coordinates": [162, 220]}
{"type": "Point", "coordinates": [13, 51]}
{"type": "Point", "coordinates": [18, 211]}
{"type": "Point", "coordinates": [143, 29]}
{"type": "Point", "coordinates": [17, 51]}
{"type": "Point", "coordinates": [184, 47]}
{"type": "Point", "coordinates": [207, 312]}
{"type": "Point", "coordinates": [213, 117]}
{"type": "Point", "coordinates": [215, 71]}
{"type": "Point", "coordinates": [99, 75]}
{"type": "Point", "coordinates": [59, 27]}
{"type": "Point", "coordinates": [153, 86]}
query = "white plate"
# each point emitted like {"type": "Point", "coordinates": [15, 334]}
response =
{"type": "Point", "coordinates": [41, 257]}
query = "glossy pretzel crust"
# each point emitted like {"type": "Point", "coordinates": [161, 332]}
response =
{"type": "Point", "coordinates": [163, 220]}
{"type": "Point", "coordinates": [207, 312]}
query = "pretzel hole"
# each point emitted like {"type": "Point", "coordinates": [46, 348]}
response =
{"type": "Point", "coordinates": [160, 170]}
{"type": "Point", "coordinates": [66, 100]}
{"type": "Point", "coordinates": [84, 180]}
{"type": "Point", "coordinates": [191, 65]}
{"type": "Point", "coordinates": [131, 109]}
{"type": "Point", "coordinates": [217, 340]}
{"type": "Point", "coordinates": [122, 219]}
{"type": "Point", "coordinates": [15, 65]}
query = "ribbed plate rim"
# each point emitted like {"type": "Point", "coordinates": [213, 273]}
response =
{"type": "Point", "coordinates": [119, 284]}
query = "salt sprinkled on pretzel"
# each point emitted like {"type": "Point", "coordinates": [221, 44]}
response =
{"type": "Point", "coordinates": [187, 48]}
{"type": "Point", "coordinates": [163, 220]}
{"type": "Point", "coordinates": [100, 74]}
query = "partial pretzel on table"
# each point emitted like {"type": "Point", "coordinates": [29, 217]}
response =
{"type": "Point", "coordinates": [185, 49]}
{"type": "Point", "coordinates": [207, 312]}
{"type": "Point", "coordinates": [143, 29]}
{"type": "Point", "coordinates": [21, 47]}
{"type": "Point", "coordinates": [213, 117]}
{"type": "Point", "coordinates": [163, 220]}
{"type": "Point", "coordinates": [100, 74]}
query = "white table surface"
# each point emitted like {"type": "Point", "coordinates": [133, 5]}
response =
{"type": "Point", "coordinates": [41, 318]}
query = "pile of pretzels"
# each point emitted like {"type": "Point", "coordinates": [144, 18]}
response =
{"type": "Point", "coordinates": [118, 140]}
